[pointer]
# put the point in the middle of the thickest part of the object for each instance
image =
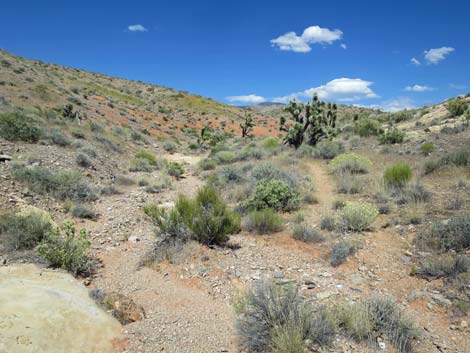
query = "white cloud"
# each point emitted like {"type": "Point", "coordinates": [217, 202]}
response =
{"type": "Point", "coordinates": [340, 89]}
{"type": "Point", "coordinates": [290, 41]}
{"type": "Point", "coordinates": [418, 88]}
{"type": "Point", "coordinates": [247, 99]}
{"type": "Point", "coordinates": [395, 104]}
{"type": "Point", "coordinates": [137, 28]}
{"type": "Point", "coordinates": [433, 56]}
{"type": "Point", "coordinates": [415, 61]}
{"type": "Point", "coordinates": [344, 46]}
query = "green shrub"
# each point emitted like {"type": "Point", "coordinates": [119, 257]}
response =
{"type": "Point", "coordinates": [169, 146]}
{"type": "Point", "coordinates": [231, 174]}
{"type": "Point", "coordinates": [68, 252]}
{"type": "Point", "coordinates": [18, 127]}
{"type": "Point", "coordinates": [392, 136]}
{"type": "Point", "coordinates": [427, 147]}
{"type": "Point", "coordinates": [264, 222]}
{"type": "Point", "coordinates": [24, 231]}
{"type": "Point", "coordinates": [275, 194]}
{"type": "Point", "coordinates": [61, 184]}
{"type": "Point", "coordinates": [205, 218]}
{"type": "Point", "coordinates": [328, 149]}
{"type": "Point", "coordinates": [225, 157]}
{"type": "Point", "coordinates": [83, 160]}
{"type": "Point", "coordinates": [175, 169]}
{"type": "Point", "coordinates": [207, 164]}
{"type": "Point", "coordinates": [357, 216]}
{"type": "Point", "coordinates": [397, 175]}
{"type": "Point", "coordinates": [349, 183]}
{"type": "Point", "coordinates": [456, 107]}
{"type": "Point", "coordinates": [83, 211]}
{"type": "Point", "coordinates": [350, 162]}
{"type": "Point", "coordinates": [340, 252]}
{"type": "Point", "coordinates": [141, 165]}
{"type": "Point", "coordinates": [328, 223]}
{"type": "Point", "coordinates": [270, 143]}
{"type": "Point", "coordinates": [367, 127]}
{"type": "Point", "coordinates": [148, 156]}
{"type": "Point", "coordinates": [307, 234]}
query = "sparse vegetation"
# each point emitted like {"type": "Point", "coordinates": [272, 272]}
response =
{"type": "Point", "coordinates": [329, 149]}
{"type": "Point", "coordinates": [341, 251]}
{"type": "Point", "coordinates": [356, 216]}
{"type": "Point", "coordinates": [307, 233]}
{"type": "Point", "coordinates": [350, 162]}
{"type": "Point", "coordinates": [83, 211]}
{"type": "Point", "coordinates": [265, 221]}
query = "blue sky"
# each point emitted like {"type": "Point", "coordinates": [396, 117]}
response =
{"type": "Point", "coordinates": [354, 52]}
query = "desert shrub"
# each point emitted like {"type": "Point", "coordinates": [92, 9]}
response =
{"type": "Point", "coordinates": [445, 265]}
{"type": "Point", "coordinates": [416, 192]}
{"type": "Point", "coordinates": [225, 157]}
{"type": "Point", "coordinates": [157, 184]}
{"type": "Point", "coordinates": [58, 138]}
{"type": "Point", "coordinates": [340, 252]}
{"type": "Point", "coordinates": [350, 162]}
{"type": "Point", "coordinates": [110, 190]}
{"type": "Point", "coordinates": [270, 143]}
{"type": "Point", "coordinates": [124, 180]}
{"type": "Point", "coordinates": [206, 218]}
{"type": "Point", "coordinates": [367, 127]}
{"type": "Point", "coordinates": [451, 235]}
{"type": "Point", "coordinates": [459, 158]}
{"type": "Point", "coordinates": [175, 169]}
{"type": "Point", "coordinates": [141, 165]}
{"type": "Point", "coordinates": [207, 164]}
{"type": "Point", "coordinates": [18, 127]}
{"type": "Point", "coordinates": [89, 150]}
{"type": "Point", "coordinates": [268, 171]}
{"type": "Point", "coordinates": [275, 194]}
{"type": "Point", "coordinates": [349, 183]}
{"type": "Point", "coordinates": [148, 156]}
{"type": "Point", "coordinates": [277, 319]}
{"type": "Point", "coordinates": [392, 136]}
{"type": "Point", "coordinates": [68, 252]}
{"type": "Point", "coordinates": [231, 174]}
{"type": "Point", "coordinates": [265, 221]}
{"type": "Point", "coordinates": [169, 146]}
{"type": "Point", "coordinates": [327, 223]}
{"type": "Point", "coordinates": [328, 149]}
{"type": "Point", "coordinates": [357, 216]}
{"type": "Point", "coordinates": [310, 198]}
{"type": "Point", "coordinates": [61, 184]}
{"type": "Point", "coordinates": [24, 231]}
{"type": "Point", "coordinates": [456, 107]}
{"type": "Point", "coordinates": [83, 160]}
{"type": "Point", "coordinates": [397, 175]}
{"type": "Point", "coordinates": [83, 211]}
{"type": "Point", "coordinates": [306, 233]}
{"type": "Point", "coordinates": [427, 147]}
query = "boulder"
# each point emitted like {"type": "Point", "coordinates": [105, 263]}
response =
{"type": "Point", "coordinates": [47, 311]}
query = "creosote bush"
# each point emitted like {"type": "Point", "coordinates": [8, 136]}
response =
{"type": "Point", "coordinates": [24, 230]}
{"type": "Point", "coordinates": [18, 127]}
{"type": "Point", "coordinates": [350, 162]}
{"type": "Point", "coordinates": [265, 221]}
{"type": "Point", "coordinates": [206, 218]}
{"type": "Point", "coordinates": [397, 175]}
{"type": "Point", "coordinates": [356, 216]}
{"type": "Point", "coordinates": [68, 251]}
{"type": "Point", "coordinates": [61, 184]}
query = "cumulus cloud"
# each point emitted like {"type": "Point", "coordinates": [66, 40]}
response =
{"type": "Point", "coordinates": [340, 89]}
{"type": "Point", "coordinates": [434, 56]}
{"type": "Point", "coordinates": [415, 61]}
{"type": "Point", "coordinates": [247, 99]}
{"type": "Point", "coordinates": [395, 104]}
{"type": "Point", "coordinates": [290, 41]}
{"type": "Point", "coordinates": [137, 28]}
{"type": "Point", "coordinates": [418, 88]}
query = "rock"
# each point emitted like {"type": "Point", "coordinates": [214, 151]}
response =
{"type": "Point", "coordinates": [123, 308]}
{"type": "Point", "coordinates": [133, 239]}
{"type": "Point", "coordinates": [463, 324]}
{"type": "Point", "coordinates": [5, 157]}
{"type": "Point", "coordinates": [278, 274]}
{"type": "Point", "coordinates": [326, 294]}
{"type": "Point", "coordinates": [441, 300]}
{"type": "Point", "coordinates": [50, 312]}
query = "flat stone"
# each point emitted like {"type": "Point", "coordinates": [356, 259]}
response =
{"type": "Point", "coordinates": [46, 311]}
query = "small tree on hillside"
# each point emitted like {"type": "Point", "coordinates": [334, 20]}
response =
{"type": "Point", "coordinates": [67, 112]}
{"type": "Point", "coordinates": [313, 122]}
{"type": "Point", "coordinates": [247, 125]}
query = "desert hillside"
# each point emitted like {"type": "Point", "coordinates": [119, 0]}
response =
{"type": "Point", "coordinates": [138, 218]}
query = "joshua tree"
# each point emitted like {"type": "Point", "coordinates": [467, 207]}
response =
{"type": "Point", "coordinates": [313, 122]}
{"type": "Point", "coordinates": [68, 112]}
{"type": "Point", "coordinates": [247, 125]}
